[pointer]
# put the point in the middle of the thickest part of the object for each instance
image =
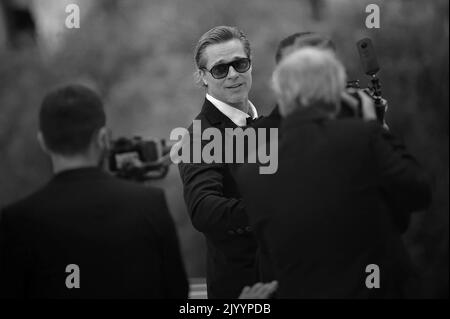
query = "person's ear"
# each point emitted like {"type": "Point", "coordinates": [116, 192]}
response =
{"type": "Point", "coordinates": [202, 76]}
{"type": "Point", "coordinates": [42, 143]}
{"type": "Point", "coordinates": [103, 138]}
{"type": "Point", "coordinates": [199, 76]}
{"type": "Point", "coordinates": [204, 81]}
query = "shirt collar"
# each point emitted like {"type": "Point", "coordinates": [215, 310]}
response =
{"type": "Point", "coordinates": [236, 116]}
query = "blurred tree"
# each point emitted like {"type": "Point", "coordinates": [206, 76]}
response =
{"type": "Point", "coordinates": [317, 7]}
{"type": "Point", "coordinates": [20, 25]}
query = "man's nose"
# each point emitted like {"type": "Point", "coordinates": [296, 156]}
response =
{"type": "Point", "coordinates": [232, 72]}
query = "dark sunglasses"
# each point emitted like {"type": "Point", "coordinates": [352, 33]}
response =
{"type": "Point", "coordinates": [220, 71]}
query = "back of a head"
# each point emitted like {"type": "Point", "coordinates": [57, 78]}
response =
{"type": "Point", "coordinates": [309, 76]}
{"type": "Point", "coordinates": [69, 117]}
{"type": "Point", "coordinates": [301, 40]}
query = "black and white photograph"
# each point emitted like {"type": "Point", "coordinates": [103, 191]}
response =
{"type": "Point", "coordinates": [201, 152]}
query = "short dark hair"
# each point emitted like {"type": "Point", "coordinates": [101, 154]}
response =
{"type": "Point", "coordinates": [216, 35]}
{"type": "Point", "coordinates": [69, 117]}
{"type": "Point", "coordinates": [303, 39]}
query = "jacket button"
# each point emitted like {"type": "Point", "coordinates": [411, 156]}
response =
{"type": "Point", "coordinates": [230, 232]}
{"type": "Point", "coordinates": [248, 229]}
{"type": "Point", "coordinates": [240, 231]}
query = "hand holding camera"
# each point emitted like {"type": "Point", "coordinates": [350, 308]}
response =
{"type": "Point", "coordinates": [139, 159]}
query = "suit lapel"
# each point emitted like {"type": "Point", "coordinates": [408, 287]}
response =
{"type": "Point", "coordinates": [215, 117]}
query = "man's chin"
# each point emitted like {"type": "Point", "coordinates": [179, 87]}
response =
{"type": "Point", "coordinates": [237, 99]}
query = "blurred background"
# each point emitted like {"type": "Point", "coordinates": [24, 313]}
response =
{"type": "Point", "coordinates": [139, 55]}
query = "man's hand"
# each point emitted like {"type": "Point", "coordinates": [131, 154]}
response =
{"type": "Point", "coordinates": [259, 291]}
{"type": "Point", "coordinates": [367, 103]}
{"type": "Point", "coordinates": [367, 106]}
{"type": "Point", "coordinates": [383, 103]}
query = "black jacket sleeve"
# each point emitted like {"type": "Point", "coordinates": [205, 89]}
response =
{"type": "Point", "coordinates": [401, 178]}
{"type": "Point", "coordinates": [211, 211]}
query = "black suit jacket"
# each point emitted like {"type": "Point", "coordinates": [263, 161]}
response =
{"type": "Point", "coordinates": [326, 214]}
{"type": "Point", "coordinates": [119, 234]}
{"type": "Point", "coordinates": [273, 120]}
{"type": "Point", "coordinates": [216, 210]}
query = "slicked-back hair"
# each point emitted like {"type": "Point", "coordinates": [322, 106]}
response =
{"type": "Point", "coordinates": [217, 35]}
{"type": "Point", "coordinates": [69, 117]}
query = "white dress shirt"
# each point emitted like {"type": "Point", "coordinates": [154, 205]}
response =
{"type": "Point", "coordinates": [236, 116]}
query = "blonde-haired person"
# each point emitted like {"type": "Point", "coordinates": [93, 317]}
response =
{"type": "Point", "coordinates": [309, 76]}
{"type": "Point", "coordinates": [344, 192]}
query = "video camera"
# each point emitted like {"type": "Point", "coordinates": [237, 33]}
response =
{"type": "Point", "coordinates": [370, 65]}
{"type": "Point", "coordinates": [138, 159]}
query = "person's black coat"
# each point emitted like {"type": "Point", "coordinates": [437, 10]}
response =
{"type": "Point", "coordinates": [338, 203]}
{"type": "Point", "coordinates": [272, 120]}
{"type": "Point", "coordinates": [216, 210]}
{"type": "Point", "coordinates": [119, 234]}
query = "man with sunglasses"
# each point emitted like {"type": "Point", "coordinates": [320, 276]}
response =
{"type": "Point", "coordinates": [223, 59]}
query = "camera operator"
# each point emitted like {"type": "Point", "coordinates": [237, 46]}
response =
{"type": "Point", "coordinates": [355, 103]}
{"type": "Point", "coordinates": [120, 235]}
{"type": "Point", "coordinates": [327, 211]}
